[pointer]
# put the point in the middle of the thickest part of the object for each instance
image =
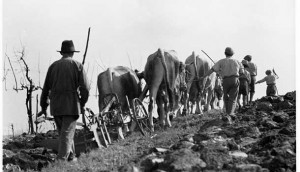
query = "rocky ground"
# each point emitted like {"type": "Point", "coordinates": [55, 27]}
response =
{"type": "Point", "coordinates": [261, 138]}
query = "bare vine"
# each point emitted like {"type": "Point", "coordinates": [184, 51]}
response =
{"type": "Point", "coordinates": [28, 85]}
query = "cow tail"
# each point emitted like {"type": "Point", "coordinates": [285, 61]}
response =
{"type": "Point", "coordinates": [195, 64]}
{"type": "Point", "coordinates": [164, 66]}
{"type": "Point", "coordinates": [206, 79]}
{"type": "Point", "coordinates": [203, 83]}
{"type": "Point", "coordinates": [199, 87]}
{"type": "Point", "coordinates": [169, 91]}
{"type": "Point", "coordinates": [110, 80]}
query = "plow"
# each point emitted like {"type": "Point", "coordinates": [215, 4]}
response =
{"type": "Point", "coordinates": [97, 127]}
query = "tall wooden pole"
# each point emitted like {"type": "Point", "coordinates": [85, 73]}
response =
{"type": "Point", "coordinates": [86, 47]}
{"type": "Point", "coordinates": [37, 111]}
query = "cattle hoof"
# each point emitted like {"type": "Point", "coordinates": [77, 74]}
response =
{"type": "Point", "coordinates": [165, 127]}
{"type": "Point", "coordinates": [233, 116]}
{"type": "Point", "coordinates": [184, 113]}
{"type": "Point", "coordinates": [171, 117]}
{"type": "Point", "coordinates": [152, 128]}
{"type": "Point", "coordinates": [121, 137]}
{"type": "Point", "coordinates": [199, 113]}
{"type": "Point", "coordinates": [128, 133]}
{"type": "Point", "coordinates": [227, 120]}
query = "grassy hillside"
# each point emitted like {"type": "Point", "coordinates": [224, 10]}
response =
{"type": "Point", "coordinates": [131, 149]}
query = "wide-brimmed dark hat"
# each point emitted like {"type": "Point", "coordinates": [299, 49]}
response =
{"type": "Point", "coordinates": [67, 46]}
{"type": "Point", "coordinates": [229, 51]}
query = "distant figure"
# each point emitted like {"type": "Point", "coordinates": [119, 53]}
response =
{"type": "Point", "coordinates": [253, 73]}
{"type": "Point", "coordinates": [245, 80]}
{"type": "Point", "coordinates": [67, 87]}
{"type": "Point", "coordinates": [230, 69]}
{"type": "Point", "coordinates": [271, 82]}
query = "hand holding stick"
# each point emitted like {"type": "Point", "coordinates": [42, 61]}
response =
{"type": "Point", "coordinates": [275, 72]}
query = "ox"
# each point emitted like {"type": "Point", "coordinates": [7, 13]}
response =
{"type": "Point", "coordinates": [198, 88]}
{"type": "Point", "coordinates": [123, 82]}
{"type": "Point", "coordinates": [165, 78]}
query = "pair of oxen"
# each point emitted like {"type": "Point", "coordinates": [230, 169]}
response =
{"type": "Point", "coordinates": [169, 82]}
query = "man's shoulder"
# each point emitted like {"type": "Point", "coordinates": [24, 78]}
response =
{"type": "Point", "coordinates": [236, 62]}
{"type": "Point", "coordinates": [253, 64]}
{"type": "Point", "coordinates": [55, 63]}
{"type": "Point", "coordinates": [225, 60]}
{"type": "Point", "coordinates": [77, 62]}
{"type": "Point", "coordinates": [222, 60]}
{"type": "Point", "coordinates": [66, 61]}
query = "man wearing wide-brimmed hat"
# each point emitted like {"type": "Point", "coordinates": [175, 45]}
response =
{"type": "Point", "coordinates": [67, 87]}
{"type": "Point", "coordinates": [230, 70]}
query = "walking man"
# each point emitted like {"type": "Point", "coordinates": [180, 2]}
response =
{"type": "Point", "coordinates": [271, 82]}
{"type": "Point", "coordinates": [230, 70]}
{"type": "Point", "coordinates": [67, 88]}
{"type": "Point", "coordinates": [253, 73]}
{"type": "Point", "coordinates": [245, 80]}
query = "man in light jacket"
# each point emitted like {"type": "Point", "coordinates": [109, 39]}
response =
{"type": "Point", "coordinates": [230, 69]}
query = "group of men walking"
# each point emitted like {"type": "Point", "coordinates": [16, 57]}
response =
{"type": "Point", "coordinates": [239, 78]}
{"type": "Point", "coordinates": [67, 88]}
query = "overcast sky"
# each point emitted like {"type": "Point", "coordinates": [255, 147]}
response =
{"type": "Point", "coordinates": [123, 30]}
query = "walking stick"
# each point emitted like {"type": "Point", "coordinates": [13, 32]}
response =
{"type": "Point", "coordinates": [208, 56]}
{"type": "Point", "coordinates": [278, 77]}
{"type": "Point", "coordinates": [86, 47]}
{"type": "Point", "coordinates": [37, 111]}
{"type": "Point", "coordinates": [212, 61]}
{"type": "Point", "coordinates": [82, 109]}
{"type": "Point", "coordinates": [275, 72]}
